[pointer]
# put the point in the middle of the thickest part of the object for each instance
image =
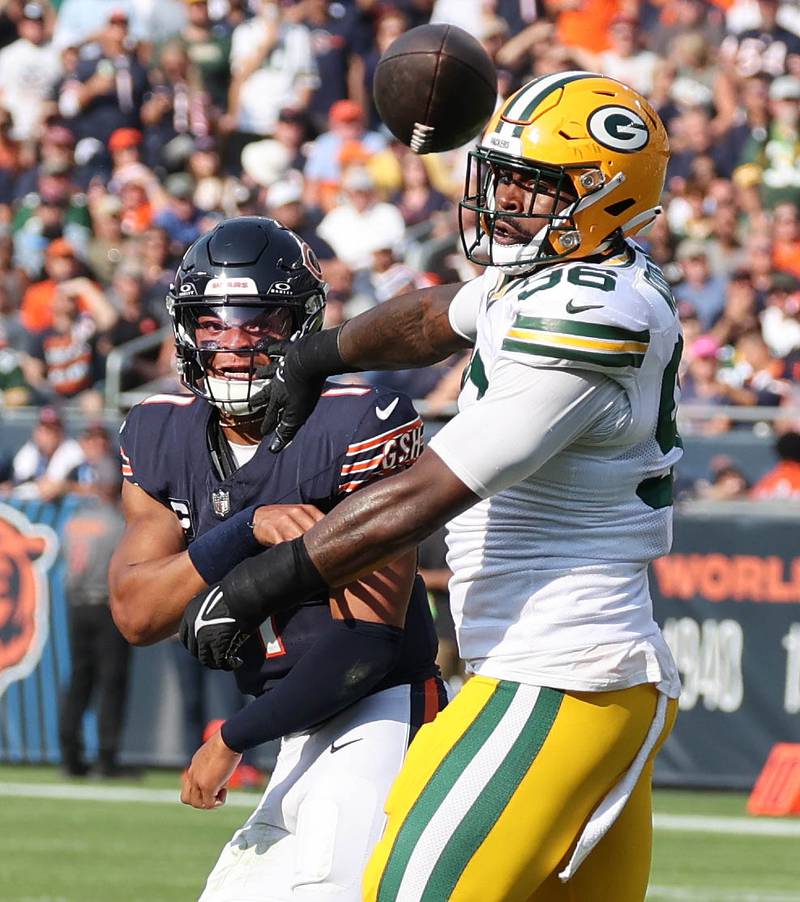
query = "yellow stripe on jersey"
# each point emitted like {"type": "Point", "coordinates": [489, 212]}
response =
{"type": "Point", "coordinates": [577, 340]}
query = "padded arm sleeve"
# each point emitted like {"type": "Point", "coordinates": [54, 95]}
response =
{"type": "Point", "coordinates": [463, 310]}
{"type": "Point", "coordinates": [341, 668]}
{"type": "Point", "coordinates": [527, 415]}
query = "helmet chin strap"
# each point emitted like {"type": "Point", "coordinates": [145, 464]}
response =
{"type": "Point", "coordinates": [233, 395]}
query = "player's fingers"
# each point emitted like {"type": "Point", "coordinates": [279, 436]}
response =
{"type": "Point", "coordinates": [221, 798]}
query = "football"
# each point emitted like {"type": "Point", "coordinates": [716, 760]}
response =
{"type": "Point", "coordinates": [435, 88]}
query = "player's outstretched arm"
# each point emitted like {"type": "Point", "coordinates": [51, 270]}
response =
{"type": "Point", "coordinates": [410, 330]}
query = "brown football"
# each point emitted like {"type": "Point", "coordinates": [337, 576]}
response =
{"type": "Point", "coordinates": [435, 88]}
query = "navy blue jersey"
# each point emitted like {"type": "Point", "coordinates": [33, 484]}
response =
{"type": "Point", "coordinates": [355, 435]}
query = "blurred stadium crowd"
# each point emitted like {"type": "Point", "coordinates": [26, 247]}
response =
{"type": "Point", "coordinates": [129, 127]}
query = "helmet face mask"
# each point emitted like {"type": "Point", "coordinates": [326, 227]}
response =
{"type": "Point", "coordinates": [244, 285]}
{"type": "Point", "coordinates": [498, 235]}
{"type": "Point", "coordinates": [591, 145]}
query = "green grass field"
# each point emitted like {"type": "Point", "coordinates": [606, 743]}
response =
{"type": "Point", "coordinates": [148, 849]}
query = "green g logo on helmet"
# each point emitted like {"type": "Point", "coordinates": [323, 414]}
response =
{"type": "Point", "coordinates": [618, 129]}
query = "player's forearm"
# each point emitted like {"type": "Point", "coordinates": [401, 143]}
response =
{"type": "Point", "coordinates": [148, 597]}
{"type": "Point", "coordinates": [364, 532]}
{"type": "Point", "coordinates": [410, 330]}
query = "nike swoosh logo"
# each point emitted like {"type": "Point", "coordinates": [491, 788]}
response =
{"type": "Point", "coordinates": [335, 748]}
{"type": "Point", "coordinates": [201, 620]}
{"type": "Point", "coordinates": [383, 413]}
{"type": "Point", "coordinates": [573, 308]}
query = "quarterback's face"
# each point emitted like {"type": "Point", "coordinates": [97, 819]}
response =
{"type": "Point", "coordinates": [529, 203]}
{"type": "Point", "coordinates": [238, 335]}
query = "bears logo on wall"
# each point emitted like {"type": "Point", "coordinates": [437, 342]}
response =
{"type": "Point", "coordinates": [27, 551]}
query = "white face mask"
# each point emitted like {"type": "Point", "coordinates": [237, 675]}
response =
{"type": "Point", "coordinates": [231, 395]}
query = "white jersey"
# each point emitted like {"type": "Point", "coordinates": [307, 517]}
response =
{"type": "Point", "coordinates": [566, 430]}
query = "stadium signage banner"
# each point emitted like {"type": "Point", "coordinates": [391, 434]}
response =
{"type": "Point", "coordinates": [728, 600]}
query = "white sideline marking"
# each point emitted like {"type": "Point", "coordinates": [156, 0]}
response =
{"type": "Point", "coordinates": [743, 826]}
{"type": "Point", "coordinates": [112, 794]}
{"type": "Point", "coordinates": [705, 894]}
{"type": "Point", "coordinates": [687, 823]}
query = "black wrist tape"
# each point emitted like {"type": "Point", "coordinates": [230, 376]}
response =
{"type": "Point", "coordinates": [280, 577]}
{"type": "Point", "coordinates": [319, 355]}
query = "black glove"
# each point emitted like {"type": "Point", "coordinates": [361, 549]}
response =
{"type": "Point", "coordinates": [297, 374]}
{"type": "Point", "coordinates": [209, 633]}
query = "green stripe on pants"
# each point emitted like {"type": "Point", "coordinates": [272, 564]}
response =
{"type": "Point", "coordinates": [440, 785]}
{"type": "Point", "coordinates": [492, 801]}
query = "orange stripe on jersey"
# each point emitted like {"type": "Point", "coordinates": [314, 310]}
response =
{"type": "Point", "coordinates": [358, 447]}
{"type": "Point", "coordinates": [352, 486]}
{"type": "Point", "coordinates": [362, 465]}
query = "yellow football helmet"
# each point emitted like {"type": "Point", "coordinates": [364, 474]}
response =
{"type": "Point", "coordinates": [583, 138]}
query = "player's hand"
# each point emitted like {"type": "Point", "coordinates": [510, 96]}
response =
{"type": "Point", "coordinates": [211, 768]}
{"type": "Point", "coordinates": [274, 523]}
{"type": "Point", "coordinates": [209, 633]}
{"type": "Point", "coordinates": [292, 393]}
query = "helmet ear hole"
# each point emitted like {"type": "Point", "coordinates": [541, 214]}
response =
{"type": "Point", "coordinates": [620, 206]}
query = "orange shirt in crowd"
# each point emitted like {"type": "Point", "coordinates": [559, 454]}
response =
{"type": "Point", "coordinates": [36, 309]}
{"type": "Point", "coordinates": [585, 23]}
{"type": "Point", "coordinates": [782, 481]}
{"type": "Point", "coordinates": [786, 256]}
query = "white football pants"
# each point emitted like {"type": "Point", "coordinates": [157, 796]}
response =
{"type": "Point", "coordinates": [313, 831]}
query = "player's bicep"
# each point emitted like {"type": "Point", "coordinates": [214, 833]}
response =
{"type": "Point", "coordinates": [151, 532]}
{"type": "Point", "coordinates": [380, 597]}
{"type": "Point", "coordinates": [526, 417]}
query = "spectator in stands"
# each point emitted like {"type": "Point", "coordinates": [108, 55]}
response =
{"type": "Point", "coordinates": [14, 388]}
{"type": "Point", "coordinates": [57, 209]}
{"type": "Point", "coordinates": [284, 202]}
{"type": "Point", "coordinates": [726, 481]}
{"type": "Point", "coordinates": [362, 223]}
{"type": "Point", "coordinates": [177, 105]}
{"type": "Point", "coordinates": [106, 92]}
{"type": "Point", "coordinates": [699, 285]}
{"type": "Point", "coordinates": [29, 68]}
{"type": "Point", "coordinates": [208, 47]}
{"type": "Point", "coordinates": [786, 238]}
{"type": "Point", "coordinates": [700, 385]}
{"type": "Point", "coordinates": [157, 269]}
{"type": "Point", "coordinates": [61, 266]}
{"type": "Point", "coordinates": [768, 48]}
{"type": "Point", "coordinates": [390, 23]}
{"type": "Point", "coordinates": [417, 200]}
{"type": "Point", "coordinates": [348, 137]}
{"type": "Point", "coordinates": [273, 66]}
{"type": "Point", "coordinates": [756, 377]}
{"type": "Point", "coordinates": [64, 362]}
{"type": "Point", "coordinates": [782, 482]}
{"type": "Point", "coordinates": [99, 654]}
{"type": "Point", "coordinates": [337, 48]}
{"type": "Point", "coordinates": [107, 244]}
{"type": "Point", "coordinates": [389, 276]}
{"type": "Point", "coordinates": [42, 464]}
{"type": "Point", "coordinates": [625, 58]}
{"type": "Point", "coordinates": [780, 324]}
{"type": "Point", "coordinates": [179, 218]}
{"type": "Point", "coordinates": [133, 321]}
{"type": "Point", "coordinates": [56, 149]}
